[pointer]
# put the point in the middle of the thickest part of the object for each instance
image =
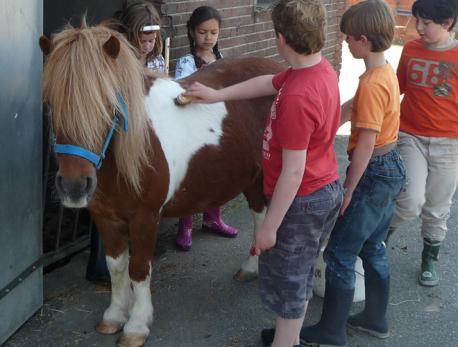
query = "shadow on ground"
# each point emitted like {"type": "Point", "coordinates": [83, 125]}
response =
{"type": "Point", "coordinates": [197, 303]}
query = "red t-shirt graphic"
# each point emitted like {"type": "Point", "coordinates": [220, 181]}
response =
{"type": "Point", "coordinates": [304, 115]}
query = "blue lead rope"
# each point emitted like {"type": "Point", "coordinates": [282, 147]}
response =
{"type": "Point", "coordinates": [89, 155]}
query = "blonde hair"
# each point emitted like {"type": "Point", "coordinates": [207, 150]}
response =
{"type": "Point", "coordinates": [81, 83]}
{"type": "Point", "coordinates": [302, 23]}
{"type": "Point", "coordinates": [373, 19]}
{"type": "Point", "coordinates": [136, 16]}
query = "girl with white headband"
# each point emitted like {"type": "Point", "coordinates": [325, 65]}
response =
{"type": "Point", "coordinates": [141, 25]}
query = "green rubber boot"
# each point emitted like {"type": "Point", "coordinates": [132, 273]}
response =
{"type": "Point", "coordinates": [429, 276]}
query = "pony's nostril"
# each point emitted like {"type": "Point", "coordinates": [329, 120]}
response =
{"type": "Point", "coordinates": [89, 182]}
{"type": "Point", "coordinates": [59, 183]}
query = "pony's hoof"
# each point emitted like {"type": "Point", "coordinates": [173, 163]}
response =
{"type": "Point", "coordinates": [131, 340]}
{"type": "Point", "coordinates": [245, 276]}
{"type": "Point", "coordinates": [108, 328]}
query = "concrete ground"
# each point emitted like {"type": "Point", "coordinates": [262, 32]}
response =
{"type": "Point", "coordinates": [197, 303]}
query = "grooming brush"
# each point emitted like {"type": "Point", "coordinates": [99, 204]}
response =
{"type": "Point", "coordinates": [182, 100]}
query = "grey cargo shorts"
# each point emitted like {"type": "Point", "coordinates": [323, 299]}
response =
{"type": "Point", "coordinates": [286, 270]}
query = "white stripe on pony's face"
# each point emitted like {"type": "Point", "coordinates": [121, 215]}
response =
{"type": "Point", "coordinates": [182, 130]}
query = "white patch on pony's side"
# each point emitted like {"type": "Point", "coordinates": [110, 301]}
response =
{"type": "Point", "coordinates": [182, 130]}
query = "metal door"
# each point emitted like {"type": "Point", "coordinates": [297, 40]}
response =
{"type": "Point", "coordinates": [21, 280]}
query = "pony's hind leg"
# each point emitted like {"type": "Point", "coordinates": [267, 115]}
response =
{"type": "Point", "coordinates": [249, 269]}
{"type": "Point", "coordinates": [143, 234]}
{"type": "Point", "coordinates": [257, 203]}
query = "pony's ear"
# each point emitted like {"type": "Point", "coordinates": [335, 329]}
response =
{"type": "Point", "coordinates": [111, 47]}
{"type": "Point", "coordinates": [45, 45]}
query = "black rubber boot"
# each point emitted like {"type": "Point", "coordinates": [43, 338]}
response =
{"type": "Point", "coordinates": [267, 337]}
{"type": "Point", "coordinates": [331, 330]}
{"type": "Point", "coordinates": [97, 270]}
{"type": "Point", "coordinates": [372, 319]}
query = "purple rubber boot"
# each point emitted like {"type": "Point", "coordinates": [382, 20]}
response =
{"type": "Point", "coordinates": [184, 234]}
{"type": "Point", "coordinates": [213, 221]}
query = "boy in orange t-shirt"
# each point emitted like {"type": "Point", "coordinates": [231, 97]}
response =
{"type": "Point", "coordinates": [428, 140]}
{"type": "Point", "coordinates": [374, 179]}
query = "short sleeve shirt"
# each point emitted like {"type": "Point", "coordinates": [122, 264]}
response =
{"type": "Point", "coordinates": [305, 115]}
{"type": "Point", "coordinates": [429, 81]}
{"type": "Point", "coordinates": [186, 66]}
{"type": "Point", "coordinates": [376, 106]}
{"type": "Point", "coordinates": [157, 64]}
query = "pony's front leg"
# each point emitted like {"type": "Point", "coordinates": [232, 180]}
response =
{"type": "Point", "coordinates": [249, 269]}
{"type": "Point", "coordinates": [143, 235]}
{"type": "Point", "coordinates": [117, 256]}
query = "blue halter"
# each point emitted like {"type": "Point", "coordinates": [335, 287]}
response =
{"type": "Point", "coordinates": [89, 155]}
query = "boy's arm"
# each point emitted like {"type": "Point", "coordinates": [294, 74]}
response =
{"type": "Point", "coordinates": [293, 166]}
{"type": "Point", "coordinates": [252, 88]}
{"type": "Point", "coordinates": [401, 73]}
{"type": "Point", "coordinates": [346, 111]}
{"type": "Point", "coordinates": [359, 160]}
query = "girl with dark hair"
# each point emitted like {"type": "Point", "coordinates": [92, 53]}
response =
{"type": "Point", "coordinates": [203, 31]}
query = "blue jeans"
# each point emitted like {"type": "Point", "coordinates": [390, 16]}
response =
{"type": "Point", "coordinates": [364, 226]}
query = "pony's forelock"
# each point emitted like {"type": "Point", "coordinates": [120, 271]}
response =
{"type": "Point", "coordinates": [81, 83]}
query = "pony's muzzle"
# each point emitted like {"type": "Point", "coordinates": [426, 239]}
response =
{"type": "Point", "coordinates": [75, 192]}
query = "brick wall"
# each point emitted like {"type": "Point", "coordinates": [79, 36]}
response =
{"type": "Point", "coordinates": [246, 28]}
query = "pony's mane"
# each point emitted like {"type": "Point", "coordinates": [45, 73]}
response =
{"type": "Point", "coordinates": [80, 85]}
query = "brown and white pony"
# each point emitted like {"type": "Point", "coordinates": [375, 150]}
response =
{"type": "Point", "coordinates": [162, 160]}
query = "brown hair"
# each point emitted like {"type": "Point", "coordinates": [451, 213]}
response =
{"type": "Point", "coordinates": [371, 18]}
{"type": "Point", "coordinates": [136, 16]}
{"type": "Point", "coordinates": [302, 23]}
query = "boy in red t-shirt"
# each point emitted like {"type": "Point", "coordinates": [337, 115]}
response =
{"type": "Point", "coordinates": [299, 163]}
{"type": "Point", "coordinates": [428, 138]}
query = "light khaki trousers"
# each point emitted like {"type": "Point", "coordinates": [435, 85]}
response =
{"type": "Point", "coordinates": [432, 173]}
